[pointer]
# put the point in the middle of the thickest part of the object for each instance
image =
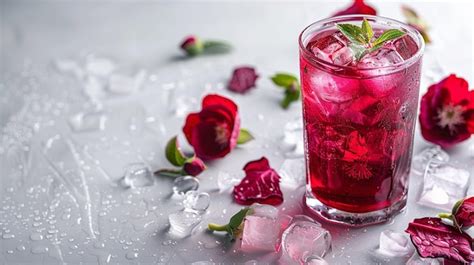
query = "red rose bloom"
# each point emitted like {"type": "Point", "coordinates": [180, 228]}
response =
{"type": "Point", "coordinates": [465, 213]}
{"type": "Point", "coordinates": [447, 112]}
{"type": "Point", "coordinates": [195, 167]}
{"type": "Point", "coordinates": [358, 7]}
{"type": "Point", "coordinates": [214, 130]}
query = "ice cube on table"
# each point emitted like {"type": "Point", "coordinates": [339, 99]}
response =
{"type": "Point", "coordinates": [263, 228]}
{"type": "Point", "coordinates": [433, 153]}
{"type": "Point", "coordinates": [183, 184]}
{"type": "Point", "coordinates": [183, 223]}
{"type": "Point", "coordinates": [123, 84]}
{"type": "Point", "coordinates": [69, 67]}
{"type": "Point", "coordinates": [196, 201]}
{"type": "Point", "coordinates": [87, 121]}
{"type": "Point", "coordinates": [417, 260]}
{"type": "Point", "coordinates": [302, 239]}
{"type": "Point", "coordinates": [226, 180]}
{"type": "Point", "coordinates": [443, 185]}
{"type": "Point", "coordinates": [137, 175]}
{"type": "Point", "coordinates": [292, 173]}
{"type": "Point", "coordinates": [99, 66]}
{"type": "Point", "coordinates": [393, 244]}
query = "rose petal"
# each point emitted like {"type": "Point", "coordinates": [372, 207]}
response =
{"type": "Point", "coordinates": [261, 184]}
{"type": "Point", "coordinates": [243, 78]}
{"type": "Point", "coordinates": [465, 213]}
{"type": "Point", "coordinates": [434, 239]}
{"type": "Point", "coordinates": [358, 7]}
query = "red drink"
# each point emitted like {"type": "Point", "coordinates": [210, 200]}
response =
{"type": "Point", "coordinates": [359, 119]}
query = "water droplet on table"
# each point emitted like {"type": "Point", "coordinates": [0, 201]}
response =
{"type": "Point", "coordinates": [183, 184]}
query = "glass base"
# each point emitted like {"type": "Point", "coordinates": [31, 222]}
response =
{"type": "Point", "coordinates": [313, 205]}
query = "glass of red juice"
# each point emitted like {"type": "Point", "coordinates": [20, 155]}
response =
{"type": "Point", "coordinates": [359, 119]}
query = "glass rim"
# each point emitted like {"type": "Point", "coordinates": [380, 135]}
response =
{"type": "Point", "coordinates": [409, 29]}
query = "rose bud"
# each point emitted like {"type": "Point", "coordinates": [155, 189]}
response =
{"type": "Point", "coordinates": [464, 213]}
{"type": "Point", "coordinates": [194, 167]}
{"type": "Point", "coordinates": [447, 112]}
{"type": "Point", "coordinates": [192, 45]}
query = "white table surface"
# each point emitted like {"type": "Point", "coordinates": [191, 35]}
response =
{"type": "Point", "coordinates": [36, 101]}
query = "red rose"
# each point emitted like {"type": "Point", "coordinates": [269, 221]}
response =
{"type": "Point", "coordinates": [358, 7]}
{"type": "Point", "coordinates": [447, 112]}
{"type": "Point", "coordinates": [464, 215]}
{"type": "Point", "coordinates": [213, 131]}
{"type": "Point", "coordinates": [195, 167]}
{"type": "Point", "coordinates": [192, 45]}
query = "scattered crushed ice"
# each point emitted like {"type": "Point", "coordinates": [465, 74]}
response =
{"type": "Point", "coordinates": [226, 180]}
{"type": "Point", "coordinates": [292, 173]}
{"type": "Point", "coordinates": [292, 143]}
{"type": "Point", "coordinates": [87, 122]}
{"type": "Point", "coordinates": [137, 175]}
{"type": "Point", "coordinates": [196, 201]}
{"type": "Point", "coordinates": [183, 223]}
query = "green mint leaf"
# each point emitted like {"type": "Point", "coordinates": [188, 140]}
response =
{"type": "Point", "coordinates": [367, 31]}
{"type": "Point", "coordinates": [456, 206]}
{"type": "Point", "coordinates": [216, 47]}
{"type": "Point", "coordinates": [358, 51]}
{"type": "Point", "coordinates": [283, 79]}
{"type": "Point", "coordinates": [353, 33]}
{"type": "Point", "coordinates": [388, 35]}
{"type": "Point", "coordinates": [173, 154]}
{"type": "Point", "coordinates": [445, 216]}
{"type": "Point", "coordinates": [244, 136]}
{"type": "Point", "coordinates": [292, 94]}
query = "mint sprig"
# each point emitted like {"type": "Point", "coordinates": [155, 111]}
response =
{"type": "Point", "coordinates": [234, 227]}
{"type": "Point", "coordinates": [362, 38]}
{"type": "Point", "coordinates": [291, 86]}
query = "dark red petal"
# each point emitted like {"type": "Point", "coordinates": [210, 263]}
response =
{"type": "Point", "coordinates": [458, 89]}
{"type": "Point", "coordinates": [243, 78]}
{"type": "Point", "coordinates": [434, 239]}
{"type": "Point", "coordinates": [261, 184]}
{"type": "Point", "coordinates": [191, 121]}
{"type": "Point", "coordinates": [224, 102]}
{"type": "Point", "coordinates": [358, 7]}
{"type": "Point", "coordinates": [205, 142]}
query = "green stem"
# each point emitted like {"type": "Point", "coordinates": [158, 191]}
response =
{"type": "Point", "coordinates": [169, 173]}
{"type": "Point", "coordinates": [446, 216]}
{"type": "Point", "coordinates": [216, 227]}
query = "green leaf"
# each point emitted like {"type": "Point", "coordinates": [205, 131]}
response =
{"type": "Point", "coordinates": [173, 154]}
{"type": "Point", "coordinates": [215, 47]}
{"type": "Point", "coordinates": [367, 31]}
{"type": "Point", "coordinates": [358, 51]}
{"type": "Point", "coordinates": [244, 136]}
{"type": "Point", "coordinates": [284, 80]}
{"type": "Point", "coordinates": [388, 35]}
{"type": "Point", "coordinates": [234, 225]}
{"type": "Point", "coordinates": [236, 220]}
{"type": "Point", "coordinates": [456, 206]}
{"type": "Point", "coordinates": [352, 32]}
{"type": "Point", "coordinates": [291, 95]}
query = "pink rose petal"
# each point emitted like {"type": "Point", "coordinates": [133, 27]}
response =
{"type": "Point", "coordinates": [434, 239]}
{"type": "Point", "coordinates": [261, 184]}
{"type": "Point", "coordinates": [243, 79]}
